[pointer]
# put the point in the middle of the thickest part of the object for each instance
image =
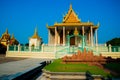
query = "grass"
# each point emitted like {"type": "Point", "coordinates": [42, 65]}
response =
{"type": "Point", "coordinates": [57, 66]}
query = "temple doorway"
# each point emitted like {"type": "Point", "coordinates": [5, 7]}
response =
{"type": "Point", "coordinates": [72, 40]}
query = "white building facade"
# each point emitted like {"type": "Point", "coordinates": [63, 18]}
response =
{"type": "Point", "coordinates": [35, 41]}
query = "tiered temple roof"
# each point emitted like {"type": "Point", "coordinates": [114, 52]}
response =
{"type": "Point", "coordinates": [71, 19]}
{"type": "Point", "coordinates": [13, 40]}
{"type": "Point", "coordinates": [35, 35]}
{"type": "Point", "coordinates": [6, 39]}
{"type": "Point", "coordinates": [5, 36]}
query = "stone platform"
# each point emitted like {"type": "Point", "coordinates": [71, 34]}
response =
{"type": "Point", "coordinates": [11, 69]}
{"type": "Point", "coordinates": [27, 54]}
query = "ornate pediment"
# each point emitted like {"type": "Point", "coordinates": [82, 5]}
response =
{"type": "Point", "coordinates": [71, 16]}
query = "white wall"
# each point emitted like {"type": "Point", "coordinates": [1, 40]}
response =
{"type": "Point", "coordinates": [35, 42]}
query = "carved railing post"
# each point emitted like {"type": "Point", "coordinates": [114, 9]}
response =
{"type": "Point", "coordinates": [110, 48]}
{"type": "Point", "coordinates": [8, 47]}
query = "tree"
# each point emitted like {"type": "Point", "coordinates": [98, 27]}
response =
{"type": "Point", "coordinates": [27, 44]}
{"type": "Point", "coordinates": [2, 49]}
{"type": "Point", "coordinates": [114, 42]}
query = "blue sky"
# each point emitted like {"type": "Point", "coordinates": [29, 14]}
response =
{"type": "Point", "coordinates": [22, 16]}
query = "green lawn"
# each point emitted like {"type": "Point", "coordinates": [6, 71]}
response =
{"type": "Point", "coordinates": [57, 66]}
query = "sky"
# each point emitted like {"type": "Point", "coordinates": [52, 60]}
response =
{"type": "Point", "coordinates": [21, 17]}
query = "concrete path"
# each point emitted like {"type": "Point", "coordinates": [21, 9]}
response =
{"type": "Point", "coordinates": [11, 68]}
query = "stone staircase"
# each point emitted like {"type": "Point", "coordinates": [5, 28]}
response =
{"type": "Point", "coordinates": [69, 76]}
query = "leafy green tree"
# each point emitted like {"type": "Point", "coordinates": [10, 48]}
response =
{"type": "Point", "coordinates": [114, 42]}
{"type": "Point", "coordinates": [27, 44]}
{"type": "Point", "coordinates": [2, 49]}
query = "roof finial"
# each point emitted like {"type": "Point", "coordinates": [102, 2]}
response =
{"type": "Point", "coordinates": [6, 30]}
{"type": "Point", "coordinates": [36, 31]}
{"type": "Point", "coordinates": [46, 24]}
{"type": "Point", "coordinates": [88, 21]}
{"type": "Point", "coordinates": [12, 36]}
{"type": "Point", "coordinates": [70, 6]}
{"type": "Point", "coordinates": [98, 24]}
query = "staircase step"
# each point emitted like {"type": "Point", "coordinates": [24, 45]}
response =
{"type": "Point", "coordinates": [67, 77]}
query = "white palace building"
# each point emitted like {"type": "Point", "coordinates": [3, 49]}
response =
{"type": "Point", "coordinates": [64, 38]}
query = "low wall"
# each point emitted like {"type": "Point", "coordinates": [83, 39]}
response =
{"type": "Point", "coordinates": [47, 55]}
{"type": "Point", "coordinates": [51, 55]}
{"type": "Point", "coordinates": [111, 54]}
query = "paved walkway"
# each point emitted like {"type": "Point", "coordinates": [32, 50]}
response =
{"type": "Point", "coordinates": [11, 68]}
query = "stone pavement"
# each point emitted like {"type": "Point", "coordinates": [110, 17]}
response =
{"type": "Point", "coordinates": [15, 67]}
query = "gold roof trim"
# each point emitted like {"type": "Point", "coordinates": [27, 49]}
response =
{"type": "Point", "coordinates": [95, 27]}
{"type": "Point", "coordinates": [51, 27]}
{"type": "Point", "coordinates": [74, 24]}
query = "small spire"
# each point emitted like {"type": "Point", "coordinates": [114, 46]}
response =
{"type": "Point", "coordinates": [46, 24]}
{"type": "Point", "coordinates": [12, 36]}
{"type": "Point", "coordinates": [35, 35]}
{"type": "Point", "coordinates": [6, 30]}
{"type": "Point", "coordinates": [36, 31]}
{"type": "Point", "coordinates": [70, 6]}
{"type": "Point", "coordinates": [76, 31]}
{"type": "Point", "coordinates": [98, 24]}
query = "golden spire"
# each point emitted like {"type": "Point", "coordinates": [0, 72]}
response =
{"type": "Point", "coordinates": [36, 30]}
{"type": "Point", "coordinates": [35, 34]}
{"type": "Point", "coordinates": [70, 6]}
{"type": "Point", "coordinates": [98, 24]}
{"type": "Point", "coordinates": [6, 31]}
{"type": "Point", "coordinates": [76, 31]}
{"type": "Point", "coordinates": [12, 36]}
{"type": "Point", "coordinates": [46, 24]}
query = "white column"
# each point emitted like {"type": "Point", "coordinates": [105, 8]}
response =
{"type": "Point", "coordinates": [14, 47]}
{"type": "Point", "coordinates": [89, 38]}
{"type": "Point", "coordinates": [58, 38]}
{"type": "Point", "coordinates": [63, 35]}
{"type": "Point", "coordinates": [91, 30]}
{"type": "Point", "coordinates": [96, 38]}
{"type": "Point", "coordinates": [83, 31]}
{"type": "Point", "coordinates": [55, 35]}
{"type": "Point", "coordinates": [18, 47]}
{"type": "Point", "coordinates": [49, 37]}
{"type": "Point", "coordinates": [8, 47]}
{"type": "Point", "coordinates": [42, 47]}
{"type": "Point", "coordinates": [110, 48]}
